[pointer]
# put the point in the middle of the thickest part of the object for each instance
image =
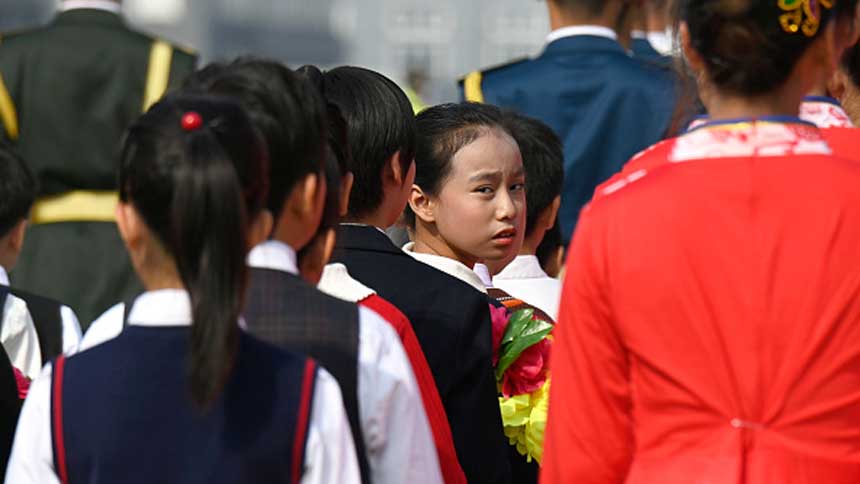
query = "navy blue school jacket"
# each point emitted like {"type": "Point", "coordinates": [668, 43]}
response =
{"type": "Point", "coordinates": [605, 106]}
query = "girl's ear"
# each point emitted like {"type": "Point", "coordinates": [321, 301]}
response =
{"type": "Point", "coordinates": [422, 205]}
{"type": "Point", "coordinates": [127, 222]}
{"type": "Point", "coordinates": [836, 85]}
{"type": "Point", "coordinates": [693, 57]}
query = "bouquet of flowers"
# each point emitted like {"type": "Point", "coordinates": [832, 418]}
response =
{"type": "Point", "coordinates": [521, 349]}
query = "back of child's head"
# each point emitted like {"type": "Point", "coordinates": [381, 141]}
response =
{"type": "Point", "coordinates": [194, 170]}
{"type": "Point", "coordinates": [17, 190]}
{"type": "Point", "coordinates": [286, 109]}
{"type": "Point", "coordinates": [587, 7]}
{"type": "Point", "coordinates": [750, 47]}
{"type": "Point", "coordinates": [543, 160]}
{"type": "Point", "coordinates": [380, 123]}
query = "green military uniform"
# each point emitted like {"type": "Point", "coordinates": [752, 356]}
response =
{"type": "Point", "coordinates": [68, 91]}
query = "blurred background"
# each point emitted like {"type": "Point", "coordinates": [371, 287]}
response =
{"type": "Point", "coordinates": [421, 44]}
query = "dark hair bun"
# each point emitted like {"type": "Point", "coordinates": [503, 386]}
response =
{"type": "Point", "coordinates": [743, 43]}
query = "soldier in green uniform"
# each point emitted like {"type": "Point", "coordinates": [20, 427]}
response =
{"type": "Point", "coordinates": [68, 91]}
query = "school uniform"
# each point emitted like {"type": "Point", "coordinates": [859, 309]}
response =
{"type": "Point", "coordinates": [68, 91]}
{"type": "Point", "coordinates": [337, 282]}
{"type": "Point", "coordinates": [363, 353]}
{"type": "Point", "coordinates": [120, 412]}
{"type": "Point", "coordinates": [522, 472]}
{"type": "Point", "coordinates": [709, 330]}
{"type": "Point", "coordinates": [603, 104]}
{"type": "Point", "coordinates": [33, 329]}
{"type": "Point", "coordinates": [453, 326]}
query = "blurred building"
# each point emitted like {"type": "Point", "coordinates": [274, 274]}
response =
{"type": "Point", "coordinates": [438, 41]}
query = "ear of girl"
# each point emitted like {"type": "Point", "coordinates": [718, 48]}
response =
{"type": "Point", "coordinates": [468, 200]}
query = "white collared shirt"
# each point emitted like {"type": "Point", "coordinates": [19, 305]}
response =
{"type": "Point", "coordinates": [20, 339]}
{"type": "Point", "coordinates": [337, 282]}
{"type": "Point", "coordinates": [449, 266]}
{"type": "Point", "coordinates": [483, 272]}
{"type": "Point", "coordinates": [106, 5]}
{"type": "Point", "coordinates": [526, 280]}
{"type": "Point", "coordinates": [400, 446]}
{"type": "Point", "coordinates": [329, 451]}
{"type": "Point", "coordinates": [574, 30]}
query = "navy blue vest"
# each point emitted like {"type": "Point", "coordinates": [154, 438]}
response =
{"type": "Point", "coordinates": [121, 412]}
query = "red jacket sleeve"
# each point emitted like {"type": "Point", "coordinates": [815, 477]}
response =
{"type": "Point", "coordinates": [589, 435]}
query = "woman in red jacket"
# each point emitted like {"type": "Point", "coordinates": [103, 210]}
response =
{"type": "Point", "coordinates": [709, 329]}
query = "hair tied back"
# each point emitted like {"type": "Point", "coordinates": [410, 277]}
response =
{"type": "Point", "coordinates": [191, 121]}
{"type": "Point", "coordinates": [802, 15]}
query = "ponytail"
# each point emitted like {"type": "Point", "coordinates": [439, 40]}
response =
{"type": "Point", "coordinates": [196, 186]}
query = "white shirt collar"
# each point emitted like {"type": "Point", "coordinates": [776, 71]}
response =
{"type": "Point", "coordinates": [523, 267]}
{"type": "Point", "coordinates": [105, 5]}
{"type": "Point", "coordinates": [4, 277]}
{"type": "Point", "coordinates": [449, 266]}
{"type": "Point", "coordinates": [336, 281]}
{"type": "Point", "coordinates": [275, 255]}
{"type": "Point", "coordinates": [484, 273]}
{"type": "Point", "coordinates": [165, 307]}
{"type": "Point", "coordinates": [662, 41]}
{"type": "Point", "coordinates": [574, 30]}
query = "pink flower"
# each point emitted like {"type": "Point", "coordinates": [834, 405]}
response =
{"type": "Point", "coordinates": [529, 372]}
{"type": "Point", "coordinates": [500, 318]}
{"type": "Point", "coordinates": [23, 383]}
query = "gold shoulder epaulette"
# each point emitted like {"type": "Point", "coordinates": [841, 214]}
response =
{"type": "Point", "coordinates": [471, 83]}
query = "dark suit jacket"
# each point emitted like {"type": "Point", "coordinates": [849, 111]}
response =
{"type": "Point", "coordinates": [452, 323]}
{"type": "Point", "coordinates": [69, 90]}
{"type": "Point", "coordinates": [604, 105]}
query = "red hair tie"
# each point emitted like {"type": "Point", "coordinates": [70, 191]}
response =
{"type": "Point", "coordinates": [191, 121]}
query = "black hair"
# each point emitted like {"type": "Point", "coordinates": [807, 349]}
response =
{"type": "Point", "coordinates": [543, 160]}
{"type": "Point", "coordinates": [443, 130]}
{"type": "Point", "coordinates": [745, 46]}
{"type": "Point", "coordinates": [17, 189]}
{"type": "Point", "coordinates": [380, 122]}
{"type": "Point", "coordinates": [285, 108]}
{"type": "Point", "coordinates": [196, 190]}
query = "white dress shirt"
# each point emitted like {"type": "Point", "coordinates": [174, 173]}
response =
{"type": "Point", "coordinates": [329, 452]}
{"type": "Point", "coordinates": [526, 280]}
{"type": "Point", "coordinates": [400, 446]}
{"type": "Point", "coordinates": [20, 339]}
{"type": "Point", "coordinates": [448, 266]}
{"type": "Point", "coordinates": [483, 272]}
{"type": "Point", "coordinates": [574, 30]}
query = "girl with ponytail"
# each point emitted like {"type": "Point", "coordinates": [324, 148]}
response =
{"type": "Point", "coordinates": [171, 389]}
{"type": "Point", "coordinates": [709, 327]}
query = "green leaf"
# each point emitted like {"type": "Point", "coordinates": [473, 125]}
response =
{"type": "Point", "coordinates": [516, 324]}
{"type": "Point", "coordinates": [534, 332]}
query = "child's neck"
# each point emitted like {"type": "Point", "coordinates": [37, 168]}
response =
{"type": "Point", "coordinates": [430, 242]}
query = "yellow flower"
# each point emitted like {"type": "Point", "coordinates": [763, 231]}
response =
{"type": "Point", "coordinates": [524, 418]}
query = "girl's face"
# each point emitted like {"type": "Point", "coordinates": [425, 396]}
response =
{"type": "Point", "coordinates": [481, 206]}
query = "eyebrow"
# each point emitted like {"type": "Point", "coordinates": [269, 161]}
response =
{"type": "Point", "coordinates": [486, 175]}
